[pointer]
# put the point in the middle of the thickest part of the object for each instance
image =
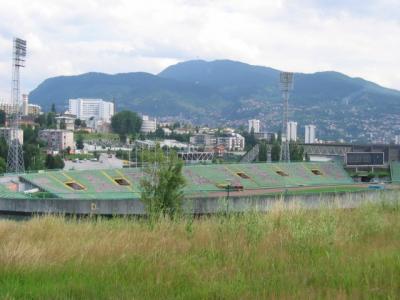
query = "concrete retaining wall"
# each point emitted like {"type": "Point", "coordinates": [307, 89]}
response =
{"type": "Point", "coordinates": [195, 206]}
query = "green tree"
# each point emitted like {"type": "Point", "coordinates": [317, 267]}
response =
{"type": "Point", "coordinates": [163, 183]}
{"type": "Point", "coordinates": [32, 157]}
{"type": "Point", "coordinates": [51, 120]}
{"type": "Point", "coordinates": [307, 157]}
{"type": "Point", "coordinates": [30, 135]}
{"type": "Point", "coordinates": [262, 154]}
{"type": "Point", "coordinates": [126, 123]}
{"type": "Point", "coordinates": [41, 120]}
{"type": "Point", "coordinates": [3, 148]}
{"type": "Point", "coordinates": [78, 123]}
{"type": "Point", "coordinates": [53, 108]}
{"type": "Point", "coordinates": [63, 125]}
{"type": "Point", "coordinates": [296, 152]}
{"type": "Point", "coordinates": [3, 117]}
{"type": "Point", "coordinates": [79, 142]}
{"type": "Point", "coordinates": [54, 162]}
{"type": "Point", "coordinates": [3, 165]}
{"type": "Point", "coordinates": [275, 152]}
{"type": "Point", "coordinates": [159, 133]}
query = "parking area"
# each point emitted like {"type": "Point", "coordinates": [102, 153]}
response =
{"type": "Point", "coordinates": [104, 162]}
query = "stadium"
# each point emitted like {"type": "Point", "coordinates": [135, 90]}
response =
{"type": "Point", "coordinates": [69, 191]}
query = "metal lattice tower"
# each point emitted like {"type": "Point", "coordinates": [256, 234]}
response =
{"type": "Point", "coordinates": [15, 158]}
{"type": "Point", "coordinates": [286, 85]}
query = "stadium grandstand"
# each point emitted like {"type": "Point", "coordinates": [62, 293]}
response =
{"type": "Point", "coordinates": [395, 171]}
{"type": "Point", "coordinates": [201, 179]}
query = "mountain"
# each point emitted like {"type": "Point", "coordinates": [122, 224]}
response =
{"type": "Point", "coordinates": [225, 91]}
{"type": "Point", "coordinates": [139, 91]}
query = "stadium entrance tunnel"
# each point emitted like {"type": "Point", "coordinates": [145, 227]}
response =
{"type": "Point", "coordinates": [316, 172]}
{"type": "Point", "coordinates": [74, 185]}
{"type": "Point", "coordinates": [281, 173]}
{"type": "Point", "coordinates": [243, 175]}
{"type": "Point", "coordinates": [231, 187]}
{"type": "Point", "coordinates": [122, 181]}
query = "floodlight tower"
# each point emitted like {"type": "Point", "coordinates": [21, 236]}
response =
{"type": "Point", "coordinates": [15, 158]}
{"type": "Point", "coordinates": [286, 85]}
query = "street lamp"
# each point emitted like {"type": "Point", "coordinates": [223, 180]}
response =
{"type": "Point", "coordinates": [228, 188]}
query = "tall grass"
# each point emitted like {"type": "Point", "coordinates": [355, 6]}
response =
{"type": "Point", "coordinates": [327, 253]}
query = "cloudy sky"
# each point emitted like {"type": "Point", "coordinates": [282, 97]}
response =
{"type": "Point", "coordinates": [360, 38]}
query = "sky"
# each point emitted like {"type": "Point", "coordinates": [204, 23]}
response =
{"type": "Point", "coordinates": [360, 38]}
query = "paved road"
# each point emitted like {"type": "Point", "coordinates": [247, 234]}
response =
{"type": "Point", "coordinates": [104, 163]}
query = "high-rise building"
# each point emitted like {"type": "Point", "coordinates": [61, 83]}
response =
{"type": "Point", "coordinates": [309, 134]}
{"type": "Point", "coordinates": [397, 139]}
{"type": "Point", "coordinates": [291, 133]}
{"type": "Point", "coordinates": [86, 109]}
{"type": "Point", "coordinates": [254, 124]}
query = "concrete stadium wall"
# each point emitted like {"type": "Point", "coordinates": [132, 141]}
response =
{"type": "Point", "coordinates": [195, 206]}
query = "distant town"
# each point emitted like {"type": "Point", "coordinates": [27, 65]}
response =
{"type": "Point", "coordinates": [86, 129]}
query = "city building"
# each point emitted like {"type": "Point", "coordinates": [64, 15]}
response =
{"type": "Point", "coordinates": [57, 139]}
{"type": "Point", "coordinates": [166, 131]}
{"type": "Point", "coordinates": [234, 142]}
{"type": "Point", "coordinates": [203, 140]}
{"type": "Point", "coordinates": [34, 109]}
{"type": "Point", "coordinates": [66, 122]}
{"type": "Point", "coordinates": [291, 133]}
{"type": "Point", "coordinates": [148, 125]}
{"type": "Point", "coordinates": [85, 109]}
{"type": "Point", "coordinates": [309, 134]}
{"type": "Point", "coordinates": [397, 139]}
{"type": "Point", "coordinates": [6, 132]}
{"type": "Point", "coordinates": [268, 136]}
{"type": "Point", "coordinates": [255, 125]}
{"type": "Point", "coordinates": [8, 108]}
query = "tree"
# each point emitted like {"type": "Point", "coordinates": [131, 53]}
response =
{"type": "Point", "coordinates": [159, 133]}
{"type": "Point", "coordinates": [275, 152]}
{"type": "Point", "coordinates": [63, 125]}
{"type": "Point", "coordinates": [3, 148]}
{"type": "Point", "coordinates": [30, 135]}
{"type": "Point", "coordinates": [54, 162]}
{"type": "Point", "coordinates": [32, 157]}
{"type": "Point", "coordinates": [3, 117]}
{"type": "Point", "coordinates": [3, 165]}
{"type": "Point", "coordinates": [296, 152]}
{"type": "Point", "coordinates": [126, 123]}
{"type": "Point", "coordinates": [53, 108]}
{"type": "Point", "coordinates": [78, 123]}
{"type": "Point", "coordinates": [51, 120]}
{"type": "Point", "coordinates": [262, 154]}
{"type": "Point", "coordinates": [41, 120]}
{"type": "Point", "coordinates": [163, 183]}
{"type": "Point", "coordinates": [79, 142]}
{"type": "Point", "coordinates": [307, 157]}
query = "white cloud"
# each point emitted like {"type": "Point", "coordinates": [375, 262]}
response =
{"type": "Point", "coordinates": [70, 37]}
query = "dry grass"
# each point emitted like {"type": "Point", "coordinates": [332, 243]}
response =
{"type": "Point", "coordinates": [285, 254]}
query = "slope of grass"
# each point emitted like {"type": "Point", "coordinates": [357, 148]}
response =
{"type": "Point", "coordinates": [291, 254]}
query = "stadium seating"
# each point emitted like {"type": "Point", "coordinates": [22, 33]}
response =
{"type": "Point", "coordinates": [125, 183]}
{"type": "Point", "coordinates": [395, 171]}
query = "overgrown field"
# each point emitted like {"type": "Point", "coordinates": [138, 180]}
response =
{"type": "Point", "coordinates": [327, 253]}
